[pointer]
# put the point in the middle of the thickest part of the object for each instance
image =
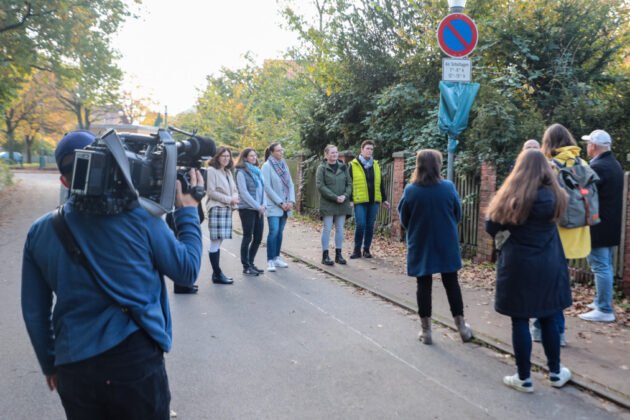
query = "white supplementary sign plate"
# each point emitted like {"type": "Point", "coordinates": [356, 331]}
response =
{"type": "Point", "coordinates": [456, 70]}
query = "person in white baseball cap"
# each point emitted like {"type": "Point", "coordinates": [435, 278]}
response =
{"type": "Point", "coordinates": [598, 138]}
{"type": "Point", "coordinates": [607, 234]}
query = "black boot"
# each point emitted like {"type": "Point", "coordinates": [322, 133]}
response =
{"type": "Point", "coordinates": [185, 290]}
{"type": "Point", "coordinates": [217, 275]}
{"type": "Point", "coordinates": [338, 258]}
{"type": "Point", "coordinates": [326, 259]}
{"type": "Point", "coordinates": [249, 271]}
{"type": "Point", "coordinates": [223, 276]}
{"type": "Point", "coordinates": [356, 253]}
{"type": "Point", "coordinates": [366, 253]}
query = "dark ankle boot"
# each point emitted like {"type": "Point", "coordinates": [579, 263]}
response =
{"type": "Point", "coordinates": [425, 332]}
{"type": "Point", "coordinates": [217, 276]}
{"type": "Point", "coordinates": [338, 258]}
{"type": "Point", "coordinates": [366, 253]}
{"type": "Point", "coordinates": [356, 253]}
{"type": "Point", "coordinates": [464, 329]}
{"type": "Point", "coordinates": [326, 259]}
{"type": "Point", "coordinates": [185, 290]}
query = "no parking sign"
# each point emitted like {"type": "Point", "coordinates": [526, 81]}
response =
{"type": "Point", "coordinates": [457, 35]}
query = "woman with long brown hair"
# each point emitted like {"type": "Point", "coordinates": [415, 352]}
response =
{"type": "Point", "coordinates": [532, 272]}
{"type": "Point", "coordinates": [430, 211]}
{"type": "Point", "coordinates": [221, 200]}
{"type": "Point", "coordinates": [251, 208]}
{"type": "Point", "coordinates": [560, 146]}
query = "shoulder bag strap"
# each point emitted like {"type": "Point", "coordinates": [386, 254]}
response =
{"type": "Point", "coordinates": [76, 254]}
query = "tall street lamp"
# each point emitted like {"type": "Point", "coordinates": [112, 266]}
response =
{"type": "Point", "coordinates": [456, 6]}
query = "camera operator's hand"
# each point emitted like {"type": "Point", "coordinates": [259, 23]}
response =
{"type": "Point", "coordinates": [187, 200]}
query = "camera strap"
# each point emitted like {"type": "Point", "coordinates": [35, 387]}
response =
{"type": "Point", "coordinates": [78, 257]}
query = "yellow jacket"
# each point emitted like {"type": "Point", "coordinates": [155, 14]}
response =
{"type": "Point", "coordinates": [576, 242]}
{"type": "Point", "coordinates": [360, 193]}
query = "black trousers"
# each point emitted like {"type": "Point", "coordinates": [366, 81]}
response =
{"type": "Point", "coordinates": [126, 382]}
{"type": "Point", "coordinates": [453, 294]}
{"type": "Point", "coordinates": [253, 224]}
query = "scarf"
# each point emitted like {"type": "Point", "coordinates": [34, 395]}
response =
{"type": "Point", "coordinates": [282, 170]}
{"type": "Point", "coordinates": [367, 164]}
{"type": "Point", "coordinates": [256, 172]}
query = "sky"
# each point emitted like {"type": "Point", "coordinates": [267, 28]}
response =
{"type": "Point", "coordinates": [171, 48]}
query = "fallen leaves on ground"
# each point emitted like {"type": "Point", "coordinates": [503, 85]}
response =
{"type": "Point", "coordinates": [482, 277]}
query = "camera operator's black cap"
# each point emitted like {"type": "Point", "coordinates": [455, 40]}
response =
{"type": "Point", "coordinates": [70, 142]}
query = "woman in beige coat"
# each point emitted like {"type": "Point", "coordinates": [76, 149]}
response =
{"type": "Point", "coordinates": [222, 198]}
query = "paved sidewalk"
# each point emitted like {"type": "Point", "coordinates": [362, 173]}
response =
{"type": "Point", "coordinates": [598, 355]}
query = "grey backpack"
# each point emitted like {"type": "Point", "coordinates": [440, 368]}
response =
{"type": "Point", "coordinates": [579, 182]}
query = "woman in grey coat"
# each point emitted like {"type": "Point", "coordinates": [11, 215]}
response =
{"type": "Point", "coordinates": [280, 201]}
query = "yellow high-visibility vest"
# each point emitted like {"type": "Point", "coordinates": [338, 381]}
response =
{"type": "Point", "coordinates": [360, 192]}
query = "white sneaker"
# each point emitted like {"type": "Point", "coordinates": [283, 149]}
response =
{"type": "Point", "coordinates": [591, 306]}
{"type": "Point", "coordinates": [559, 379]}
{"type": "Point", "coordinates": [515, 382]}
{"type": "Point", "coordinates": [271, 266]}
{"type": "Point", "coordinates": [598, 316]}
{"type": "Point", "coordinates": [279, 263]}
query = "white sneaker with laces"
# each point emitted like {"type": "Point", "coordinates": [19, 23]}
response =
{"type": "Point", "coordinates": [598, 316]}
{"type": "Point", "coordinates": [591, 306]}
{"type": "Point", "coordinates": [279, 263]}
{"type": "Point", "coordinates": [559, 379]}
{"type": "Point", "coordinates": [515, 382]}
{"type": "Point", "coordinates": [271, 266]}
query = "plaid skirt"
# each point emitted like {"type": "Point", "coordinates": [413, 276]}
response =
{"type": "Point", "coordinates": [220, 223]}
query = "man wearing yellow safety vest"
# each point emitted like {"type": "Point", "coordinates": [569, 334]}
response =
{"type": "Point", "coordinates": [368, 193]}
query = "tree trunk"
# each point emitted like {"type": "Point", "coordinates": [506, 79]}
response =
{"type": "Point", "coordinates": [79, 114]}
{"type": "Point", "coordinates": [87, 118]}
{"type": "Point", "coordinates": [28, 142]}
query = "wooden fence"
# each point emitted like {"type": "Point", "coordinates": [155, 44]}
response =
{"type": "Point", "coordinates": [468, 189]}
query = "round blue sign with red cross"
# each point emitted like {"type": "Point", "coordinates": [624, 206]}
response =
{"type": "Point", "coordinates": [457, 35]}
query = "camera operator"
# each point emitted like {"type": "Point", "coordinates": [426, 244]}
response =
{"type": "Point", "coordinates": [102, 348]}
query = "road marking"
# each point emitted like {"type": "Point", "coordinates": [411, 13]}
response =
{"type": "Point", "coordinates": [383, 348]}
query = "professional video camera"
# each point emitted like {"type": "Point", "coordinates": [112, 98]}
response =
{"type": "Point", "coordinates": [119, 171]}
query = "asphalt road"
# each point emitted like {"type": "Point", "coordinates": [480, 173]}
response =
{"type": "Point", "coordinates": [295, 344]}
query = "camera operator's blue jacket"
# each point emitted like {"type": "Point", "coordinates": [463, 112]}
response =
{"type": "Point", "coordinates": [130, 252]}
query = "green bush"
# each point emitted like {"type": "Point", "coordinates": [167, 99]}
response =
{"type": "Point", "coordinates": [6, 177]}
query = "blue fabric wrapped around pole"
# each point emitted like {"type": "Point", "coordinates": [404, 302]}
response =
{"type": "Point", "coordinates": [456, 99]}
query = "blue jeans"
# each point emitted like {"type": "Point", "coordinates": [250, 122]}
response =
{"type": "Point", "coordinates": [522, 343]}
{"type": "Point", "coordinates": [601, 262]}
{"type": "Point", "coordinates": [127, 381]}
{"type": "Point", "coordinates": [274, 237]}
{"type": "Point", "coordinates": [558, 320]}
{"type": "Point", "coordinates": [365, 215]}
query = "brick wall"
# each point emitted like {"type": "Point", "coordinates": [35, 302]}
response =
{"type": "Point", "coordinates": [397, 192]}
{"type": "Point", "coordinates": [300, 181]}
{"type": "Point", "coordinates": [485, 244]}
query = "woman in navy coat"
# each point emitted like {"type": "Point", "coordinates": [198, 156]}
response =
{"type": "Point", "coordinates": [430, 211]}
{"type": "Point", "coordinates": [532, 272]}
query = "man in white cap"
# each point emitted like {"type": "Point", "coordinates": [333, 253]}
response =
{"type": "Point", "coordinates": [607, 234]}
